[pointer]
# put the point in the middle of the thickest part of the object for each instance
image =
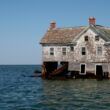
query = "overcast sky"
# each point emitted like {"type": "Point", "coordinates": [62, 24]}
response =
{"type": "Point", "coordinates": [24, 22]}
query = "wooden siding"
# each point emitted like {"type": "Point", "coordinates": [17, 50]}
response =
{"type": "Point", "coordinates": [58, 56]}
{"type": "Point", "coordinates": [75, 58]}
{"type": "Point", "coordinates": [90, 67]}
{"type": "Point", "coordinates": [91, 50]}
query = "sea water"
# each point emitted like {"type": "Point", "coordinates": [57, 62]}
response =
{"type": "Point", "coordinates": [19, 90]}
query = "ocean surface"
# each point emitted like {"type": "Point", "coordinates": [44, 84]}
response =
{"type": "Point", "coordinates": [20, 91]}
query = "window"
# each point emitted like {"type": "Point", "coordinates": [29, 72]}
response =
{"type": "Point", "coordinates": [97, 38]}
{"type": "Point", "coordinates": [99, 50]}
{"type": "Point", "coordinates": [51, 51]}
{"type": "Point", "coordinates": [72, 48]}
{"type": "Point", "coordinates": [64, 51]}
{"type": "Point", "coordinates": [86, 38]}
{"type": "Point", "coordinates": [83, 51]}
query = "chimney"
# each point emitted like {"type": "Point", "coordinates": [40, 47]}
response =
{"type": "Point", "coordinates": [92, 21]}
{"type": "Point", "coordinates": [52, 25]}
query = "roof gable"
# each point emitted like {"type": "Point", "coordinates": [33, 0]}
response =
{"type": "Point", "coordinates": [103, 33]}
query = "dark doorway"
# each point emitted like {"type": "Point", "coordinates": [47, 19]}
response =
{"type": "Point", "coordinates": [99, 72]}
{"type": "Point", "coordinates": [82, 68]}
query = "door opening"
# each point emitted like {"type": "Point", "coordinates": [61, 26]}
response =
{"type": "Point", "coordinates": [83, 69]}
{"type": "Point", "coordinates": [99, 72]}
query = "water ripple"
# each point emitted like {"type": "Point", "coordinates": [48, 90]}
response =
{"type": "Point", "coordinates": [28, 93]}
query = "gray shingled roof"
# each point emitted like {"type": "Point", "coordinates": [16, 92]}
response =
{"type": "Point", "coordinates": [66, 35]}
{"type": "Point", "coordinates": [104, 32]}
{"type": "Point", "coordinates": [61, 35]}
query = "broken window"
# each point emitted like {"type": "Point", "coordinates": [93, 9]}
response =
{"type": "Point", "coordinates": [86, 38]}
{"type": "Point", "coordinates": [99, 50]}
{"type": "Point", "coordinates": [72, 48]}
{"type": "Point", "coordinates": [83, 51]}
{"type": "Point", "coordinates": [64, 51]}
{"type": "Point", "coordinates": [51, 51]}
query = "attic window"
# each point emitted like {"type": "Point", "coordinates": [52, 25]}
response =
{"type": "Point", "coordinates": [86, 38]}
{"type": "Point", "coordinates": [51, 51]}
{"type": "Point", "coordinates": [64, 51]}
{"type": "Point", "coordinates": [97, 38]}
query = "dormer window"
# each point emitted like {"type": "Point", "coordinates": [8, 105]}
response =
{"type": "Point", "coordinates": [97, 38]}
{"type": "Point", "coordinates": [86, 38]}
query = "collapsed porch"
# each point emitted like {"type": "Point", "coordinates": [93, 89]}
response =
{"type": "Point", "coordinates": [54, 69]}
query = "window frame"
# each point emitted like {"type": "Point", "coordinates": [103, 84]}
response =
{"type": "Point", "coordinates": [64, 50]}
{"type": "Point", "coordinates": [99, 50]}
{"type": "Point", "coordinates": [97, 38]}
{"type": "Point", "coordinates": [51, 51]}
{"type": "Point", "coordinates": [83, 52]}
{"type": "Point", "coordinates": [86, 38]}
{"type": "Point", "coordinates": [72, 48]}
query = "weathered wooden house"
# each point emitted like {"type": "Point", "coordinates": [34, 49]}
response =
{"type": "Point", "coordinates": [80, 51]}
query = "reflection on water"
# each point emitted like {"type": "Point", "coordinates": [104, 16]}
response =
{"type": "Point", "coordinates": [18, 91]}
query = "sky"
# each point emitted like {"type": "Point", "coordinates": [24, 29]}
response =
{"type": "Point", "coordinates": [24, 22]}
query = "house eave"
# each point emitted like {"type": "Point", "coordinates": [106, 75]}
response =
{"type": "Point", "coordinates": [58, 44]}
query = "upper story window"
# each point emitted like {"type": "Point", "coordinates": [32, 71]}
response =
{"type": "Point", "coordinates": [64, 51]}
{"type": "Point", "coordinates": [51, 51]}
{"type": "Point", "coordinates": [83, 51]}
{"type": "Point", "coordinates": [71, 48]}
{"type": "Point", "coordinates": [86, 38]}
{"type": "Point", "coordinates": [99, 50]}
{"type": "Point", "coordinates": [97, 38]}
